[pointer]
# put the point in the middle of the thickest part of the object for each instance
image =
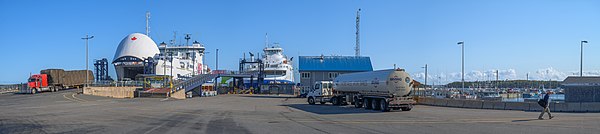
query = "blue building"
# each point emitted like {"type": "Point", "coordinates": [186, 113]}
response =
{"type": "Point", "coordinates": [326, 68]}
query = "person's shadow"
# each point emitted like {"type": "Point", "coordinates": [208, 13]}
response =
{"type": "Point", "coordinates": [525, 120]}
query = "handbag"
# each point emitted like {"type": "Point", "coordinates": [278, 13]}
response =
{"type": "Point", "coordinates": [542, 103]}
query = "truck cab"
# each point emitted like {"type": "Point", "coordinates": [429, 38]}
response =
{"type": "Point", "coordinates": [36, 83]}
{"type": "Point", "coordinates": [321, 92]}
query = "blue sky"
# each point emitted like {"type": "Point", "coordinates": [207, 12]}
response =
{"type": "Point", "coordinates": [540, 37]}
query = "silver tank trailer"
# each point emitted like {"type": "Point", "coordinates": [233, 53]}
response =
{"type": "Point", "coordinates": [383, 82]}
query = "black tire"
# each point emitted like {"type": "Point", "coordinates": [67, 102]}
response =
{"type": "Point", "coordinates": [384, 106]}
{"type": "Point", "coordinates": [407, 108]}
{"type": "Point", "coordinates": [335, 101]}
{"type": "Point", "coordinates": [311, 100]}
{"type": "Point", "coordinates": [367, 103]}
{"type": "Point", "coordinates": [33, 91]}
{"type": "Point", "coordinates": [375, 104]}
{"type": "Point", "coordinates": [357, 103]}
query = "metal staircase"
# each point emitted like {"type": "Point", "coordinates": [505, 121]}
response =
{"type": "Point", "coordinates": [193, 82]}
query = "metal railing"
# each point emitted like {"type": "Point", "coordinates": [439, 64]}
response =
{"type": "Point", "coordinates": [193, 82]}
{"type": "Point", "coordinates": [117, 84]}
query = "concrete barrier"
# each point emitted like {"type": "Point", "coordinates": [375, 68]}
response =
{"type": "Point", "coordinates": [516, 106]}
{"type": "Point", "coordinates": [559, 107]}
{"type": "Point", "coordinates": [488, 105]}
{"type": "Point", "coordinates": [590, 107]}
{"type": "Point", "coordinates": [574, 107]}
{"type": "Point", "coordinates": [456, 103]}
{"type": "Point", "coordinates": [537, 107]}
{"type": "Point", "coordinates": [524, 106]}
{"type": "Point", "coordinates": [114, 92]}
{"type": "Point", "coordinates": [440, 102]}
{"type": "Point", "coordinates": [179, 95]}
{"type": "Point", "coordinates": [473, 104]}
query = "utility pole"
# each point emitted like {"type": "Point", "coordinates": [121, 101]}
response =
{"type": "Point", "coordinates": [87, 79]}
{"type": "Point", "coordinates": [357, 48]}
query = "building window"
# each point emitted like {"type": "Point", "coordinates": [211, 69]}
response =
{"type": "Point", "coordinates": [305, 75]}
{"type": "Point", "coordinates": [333, 75]}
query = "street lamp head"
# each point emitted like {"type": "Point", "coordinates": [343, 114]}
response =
{"type": "Point", "coordinates": [460, 43]}
{"type": "Point", "coordinates": [584, 41]}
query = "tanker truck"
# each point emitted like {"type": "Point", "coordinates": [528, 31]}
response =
{"type": "Point", "coordinates": [383, 90]}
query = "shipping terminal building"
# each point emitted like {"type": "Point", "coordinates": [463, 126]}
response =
{"type": "Point", "coordinates": [326, 68]}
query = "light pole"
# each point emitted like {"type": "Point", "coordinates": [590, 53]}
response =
{"type": "Point", "coordinates": [462, 44]}
{"type": "Point", "coordinates": [425, 76]}
{"type": "Point", "coordinates": [217, 61]}
{"type": "Point", "coordinates": [87, 79]}
{"type": "Point", "coordinates": [581, 60]}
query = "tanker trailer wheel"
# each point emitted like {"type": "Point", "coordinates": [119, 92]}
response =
{"type": "Point", "coordinates": [357, 103]}
{"type": "Point", "coordinates": [335, 101]}
{"type": "Point", "coordinates": [384, 106]}
{"type": "Point", "coordinates": [311, 100]}
{"type": "Point", "coordinates": [407, 108]}
{"type": "Point", "coordinates": [367, 103]}
{"type": "Point", "coordinates": [375, 104]}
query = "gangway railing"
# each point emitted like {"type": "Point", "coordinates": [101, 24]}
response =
{"type": "Point", "coordinates": [192, 82]}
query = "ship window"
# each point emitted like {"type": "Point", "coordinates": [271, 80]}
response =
{"type": "Point", "coordinates": [305, 75]}
{"type": "Point", "coordinates": [333, 75]}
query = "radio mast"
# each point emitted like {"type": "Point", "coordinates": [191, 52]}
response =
{"type": "Point", "coordinates": [357, 49]}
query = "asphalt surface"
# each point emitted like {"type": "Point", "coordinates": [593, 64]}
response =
{"type": "Point", "coordinates": [68, 112]}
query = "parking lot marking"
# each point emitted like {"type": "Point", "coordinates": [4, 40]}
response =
{"type": "Point", "coordinates": [82, 100]}
{"type": "Point", "coordinates": [65, 96]}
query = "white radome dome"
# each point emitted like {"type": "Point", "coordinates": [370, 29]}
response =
{"type": "Point", "coordinates": [136, 45]}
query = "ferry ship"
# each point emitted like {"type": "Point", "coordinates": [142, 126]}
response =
{"type": "Point", "coordinates": [138, 54]}
{"type": "Point", "coordinates": [278, 69]}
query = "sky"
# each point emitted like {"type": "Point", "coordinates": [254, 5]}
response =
{"type": "Point", "coordinates": [517, 37]}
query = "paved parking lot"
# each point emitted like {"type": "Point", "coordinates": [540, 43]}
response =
{"type": "Point", "coordinates": [68, 112]}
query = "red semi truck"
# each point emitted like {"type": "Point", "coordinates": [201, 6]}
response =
{"type": "Point", "coordinates": [56, 79]}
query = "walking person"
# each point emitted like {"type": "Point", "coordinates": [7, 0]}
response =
{"type": "Point", "coordinates": [545, 103]}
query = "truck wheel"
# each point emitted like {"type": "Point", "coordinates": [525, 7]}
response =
{"type": "Point", "coordinates": [367, 103]}
{"type": "Point", "coordinates": [356, 103]}
{"type": "Point", "coordinates": [375, 104]}
{"type": "Point", "coordinates": [383, 105]}
{"type": "Point", "coordinates": [407, 108]}
{"type": "Point", "coordinates": [335, 101]}
{"type": "Point", "coordinates": [311, 100]}
{"type": "Point", "coordinates": [33, 91]}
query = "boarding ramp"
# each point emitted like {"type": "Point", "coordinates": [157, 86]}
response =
{"type": "Point", "coordinates": [189, 84]}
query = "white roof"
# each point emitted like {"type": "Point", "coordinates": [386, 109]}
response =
{"type": "Point", "coordinates": [136, 45]}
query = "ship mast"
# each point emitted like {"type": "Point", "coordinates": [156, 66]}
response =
{"type": "Point", "coordinates": [266, 40]}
